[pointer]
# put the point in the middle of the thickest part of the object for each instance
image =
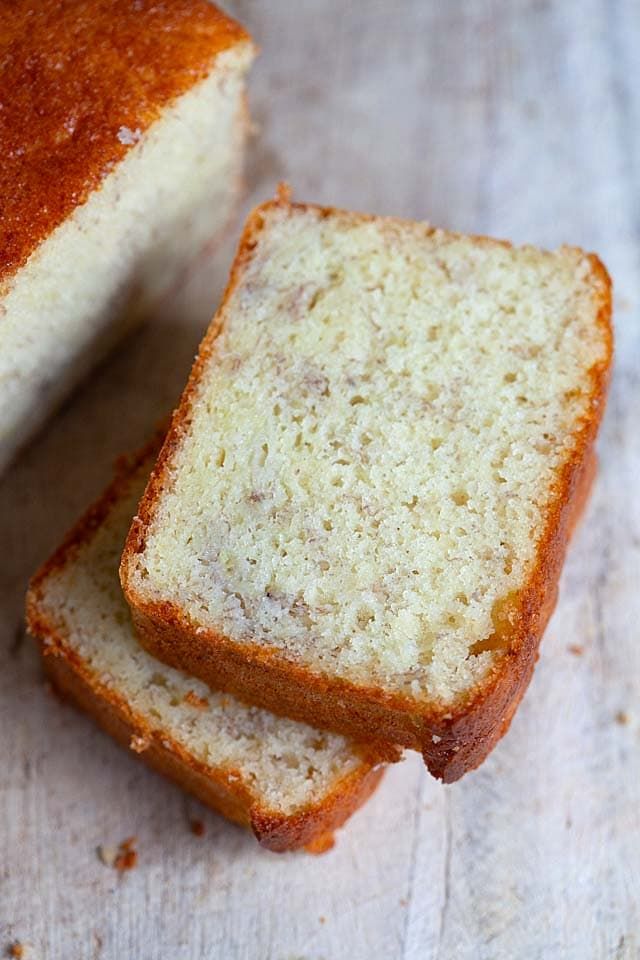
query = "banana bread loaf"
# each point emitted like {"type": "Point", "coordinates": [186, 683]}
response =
{"type": "Point", "coordinates": [121, 129]}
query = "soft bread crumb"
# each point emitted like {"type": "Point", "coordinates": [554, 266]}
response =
{"type": "Point", "coordinates": [373, 446]}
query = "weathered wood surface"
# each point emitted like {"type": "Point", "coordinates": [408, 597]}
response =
{"type": "Point", "coordinates": [514, 117]}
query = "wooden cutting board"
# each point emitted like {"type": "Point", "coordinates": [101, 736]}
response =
{"type": "Point", "coordinates": [520, 119]}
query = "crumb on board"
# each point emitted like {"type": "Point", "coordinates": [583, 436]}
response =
{"type": "Point", "coordinates": [18, 949]}
{"type": "Point", "coordinates": [195, 700]}
{"type": "Point", "coordinates": [107, 855]}
{"type": "Point", "coordinates": [622, 717]}
{"type": "Point", "coordinates": [576, 649]}
{"type": "Point", "coordinates": [124, 857]}
{"type": "Point", "coordinates": [197, 827]}
{"type": "Point", "coordinates": [127, 857]}
{"type": "Point", "coordinates": [139, 743]}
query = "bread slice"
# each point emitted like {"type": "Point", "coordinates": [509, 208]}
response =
{"type": "Point", "coordinates": [291, 784]}
{"type": "Point", "coordinates": [360, 512]}
{"type": "Point", "coordinates": [122, 128]}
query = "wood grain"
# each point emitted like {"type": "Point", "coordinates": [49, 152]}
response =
{"type": "Point", "coordinates": [515, 117]}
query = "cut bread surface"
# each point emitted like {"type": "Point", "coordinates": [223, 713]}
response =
{"type": "Point", "coordinates": [369, 466]}
{"type": "Point", "coordinates": [292, 783]}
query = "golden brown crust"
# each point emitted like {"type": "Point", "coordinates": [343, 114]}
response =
{"type": "Point", "coordinates": [451, 740]}
{"type": "Point", "coordinates": [221, 788]}
{"type": "Point", "coordinates": [73, 75]}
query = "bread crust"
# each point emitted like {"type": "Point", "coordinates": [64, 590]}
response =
{"type": "Point", "coordinates": [452, 739]}
{"type": "Point", "coordinates": [73, 77]}
{"type": "Point", "coordinates": [221, 788]}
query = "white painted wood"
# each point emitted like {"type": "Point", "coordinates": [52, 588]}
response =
{"type": "Point", "coordinates": [515, 117]}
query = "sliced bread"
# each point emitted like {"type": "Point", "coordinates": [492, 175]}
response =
{"type": "Point", "coordinates": [291, 784]}
{"type": "Point", "coordinates": [360, 512]}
